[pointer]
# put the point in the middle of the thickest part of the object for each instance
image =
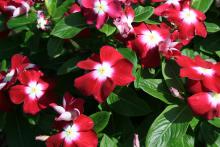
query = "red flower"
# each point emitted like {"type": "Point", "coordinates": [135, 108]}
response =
{"type": "Point", "coordinates": [99, 10]}
{"type": "Point", "coordinates": [199, 69]}
{"type": "Point", "coordinates": [15, 8]}
{"type": "Point", "coordinates": [123, 23]}
{"type": "Point", "coordinates": [31, 91]}
{"type": "Point", "coordinates": [189, 21]}
{"type": "Point", "coordinates": [168, 4]}
{"type": "Point", "coordinates": [71, 109]}
{"type": "Point", "coordinates": [147, 41]}
{"type": "Point", "coordinates": [107, 70]}
{"type": "Point", "coordinates": [205, 104]}
{"type": "Point", "coordinates": [79, 133]}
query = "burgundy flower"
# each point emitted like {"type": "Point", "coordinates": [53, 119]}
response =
{"type": "Point", "coordinates": [79, 133]}
{"type": "Point", "coordinates": [206, 104]}
{"type": "Point", "coordinates": [31, 91]}
{"type": "Point", "coordinates": [107, 70]}
{"type": "Point", "coordinates": [99, 10]}
{"type": "Point", "coordinates": [71, 109]}
{"type": "Point", "coordinates": [147, 41]}
{"type": "Point", "coordinates": [199, 69]}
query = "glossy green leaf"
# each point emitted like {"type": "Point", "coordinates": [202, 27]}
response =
{"type": "Point", "coordinates": [202, 5]}
{"type": "Point", "coordinates": [212, 27]}
{"type": "Point", "coordinates": [170, 125]}
{"type": "Point", "coordinates": [101, 120]}
{"type": "Point", "coordinates": [108, 142]}
{"type": "Point", "coordinates": [156, 88]}
{"type": "Point", "coordinates": [143, 13]}
{"type": "Point", "coordinates": [215, 122]}
{"type": "Point", "coordinates": [22, 21]}
{"type": "Point", "coordinates": [108, 29]}
{"type": "Point", "coordinates": [51, 6]}
{"type": "Point", "coordinates": [69, 26]}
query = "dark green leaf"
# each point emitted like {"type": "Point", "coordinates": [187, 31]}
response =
{"type": "Point", "coordinates": [101, 120]}
{"type": "Point", "coordinates": [170, 125]}
{"type": "Point", "coordinates": [127, 103]}
{"type": "Point", "coordinates": [55, 47]}
{"type": "Point", "coordinates": [69, 26]}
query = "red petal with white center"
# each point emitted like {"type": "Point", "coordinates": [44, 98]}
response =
{"type": "Point", "coordinates": [87, 64]}
{"type": "Point", "coordinates": [55, 140]}
{"type": "Point", "coordinates": [110, 55]}
{"type": "Point", "coordinates": [31, 106]}
{"type": "Point", "coordinates": [200, 29]}
{"type": "Point", "coordinates": [201, 62]}
{"type": "Point", "coordinates": [139, 47]}
{"type": "Point", "coordinates": [186, 31]}
{"type": "Point", "coordinates": [84, 123]}
{"type": "Point", "coordinates": [28, 76]}
{"type": "Point", "coordinates": [86, 83]}
{"type": "Point", "coordinates": [140, 28]}
{"type": "Point", "coordinates": [201, 16]}
{"type": "Point", "coordinates": [212, 83]}
{"type": "Point", "coordinates": [17, 94]}
{"type": "Point", "coordinates": [100, 20]}
{"type": "Point", "coordinates": [87, 3]}
{"type": "Point", "coordinates": [200, 103]}
{"type": "Point", "coordinates": [195, 86]}
{"type": "Point", "coordinates": [114, 9]}
{"type": "Point", "coordinates": [123, 73]}
{"type": "Point", "coordinates": [184, 61]}
{"type": "Point", "coordinates": [190, 73]}
{"type": "Point", "coordinates": [19, 62]}
{"type": "Point", "coordinates": [87, 139]}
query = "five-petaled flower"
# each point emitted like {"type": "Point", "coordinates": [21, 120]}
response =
{"type": "Point", "coordinates": [107, 71]}
{"type": "Point", "coordinates": [78, 133]}
{"type": "Point", "coordinates": [31, 91]}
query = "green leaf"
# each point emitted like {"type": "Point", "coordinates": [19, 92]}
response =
{"type": "Point", "coordinates": [22, 21]}
{"type": "Point", "coordinates": [69, 26]}
{"type": "Point", "coordinates": [69, 65]}
{"type": "Point", "coordinates": [51, 6]}
{"type": "Point", "coordinates": [210, 134]}
{"type": "Point", "coordinates": [170, 71]}
{"type": "Point", "coordinates": [3, 65]}
{"type": "Point", "coordinates": [170, 125]}
{"type": "Point", "coordinates": [215, 122]}
{"type": "Point", "coordinates": [127, 103]}
{"type": "Point", "coordinates": [107, 142]}
{"type": "Point", "coordinates": [62, 9]}
{"type": "Point", "coordinates": [18, 131]}
{"type": "Point", "coordinates": [212, 27]}
{"type": "Point", "coordinates": [156, 88]}
{"type": "Point", "coordinates": [202, 5]}
{"type": "Point", "coordinates": [101, 120]}
{"type": "Point", "coordinates": [55, 47]}
{"type": "Point", "coordinates": [143, 13]}
{"type": "Point", "coordinates": [108, 29]}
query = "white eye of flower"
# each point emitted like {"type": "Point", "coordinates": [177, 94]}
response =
{"type": "Point", "coordinates": [100, 7]}
{"type": "Point", "coordinates": [70, 133]}
{"type": "Point", "coordinates": [102, 71]}
{"type": "Point", "coordinates": [188, 16]}
{"type": "Point", "coordinates": [214, 99]}
{"type": "Point", "coordinates": [174, 2]}
{"type": "Point", "coordinates": [34, 90]}
{"type": "Point", "coordinates": [151, 38]}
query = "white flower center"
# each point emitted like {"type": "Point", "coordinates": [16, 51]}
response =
{"type": "Point", "coordinates": [174, 2]}
{"type": "Point", "coordinates": [102, 71]}
{"type": "Point", "coordinates": [100, 7]}
{"type": "Point", "coordinates": [34, 90]}
{"type": "Point", "coordinates": [151, 38]}
{"type": "Point", "coordinates": [204, 71]}
{"type": "Point", "coordinates": [214, 99]}
{"type": "Point", "coordinates": [70, 133]}
{"type": "Point", "coordinates": [188, 16]}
